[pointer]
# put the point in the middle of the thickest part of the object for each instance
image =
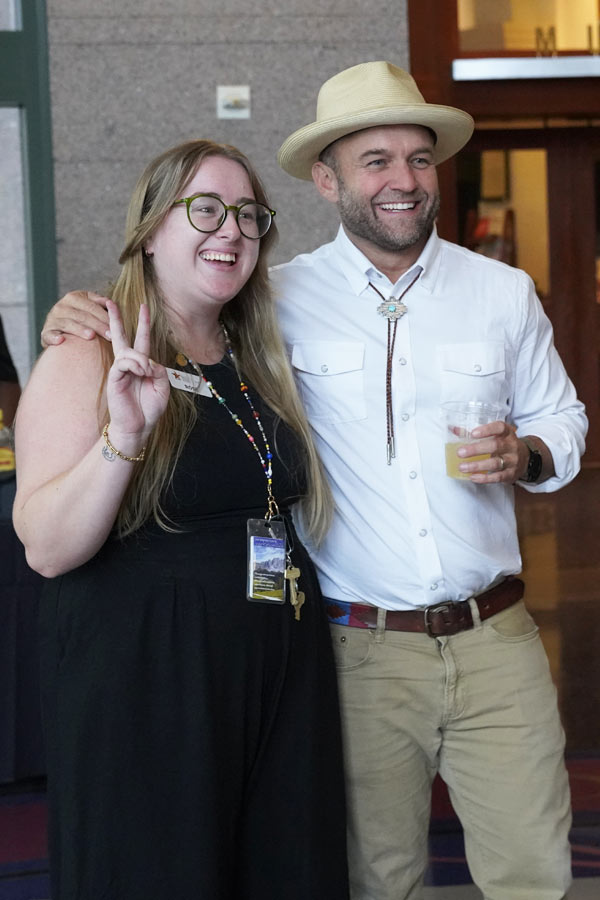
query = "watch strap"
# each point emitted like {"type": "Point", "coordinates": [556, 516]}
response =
{"type": "Point", "coordinates": [534, 466]}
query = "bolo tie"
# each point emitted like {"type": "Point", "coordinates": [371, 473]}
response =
{"type": "Point", "coordinates": [392, 309]}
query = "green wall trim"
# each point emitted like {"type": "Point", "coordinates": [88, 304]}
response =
{"type": "Point", "coordinates": [24, 82]}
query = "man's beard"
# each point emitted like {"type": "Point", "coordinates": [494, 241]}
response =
{"type": "Point", "coordinates": [359, 219]}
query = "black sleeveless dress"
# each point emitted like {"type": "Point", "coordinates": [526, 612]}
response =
{"type": "Point", "coordinates": [193, 737]}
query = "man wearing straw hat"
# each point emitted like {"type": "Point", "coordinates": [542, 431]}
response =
{"type": "Point", "coordinates": [441, 667]}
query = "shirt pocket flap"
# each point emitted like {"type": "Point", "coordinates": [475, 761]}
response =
{"type": "Point", "coordinates": [328, 357]}
{"type": "Point", "coordinates": [475, 358]}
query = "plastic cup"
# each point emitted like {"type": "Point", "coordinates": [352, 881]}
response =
{"type": "Point", "coordinates": [460, 418]}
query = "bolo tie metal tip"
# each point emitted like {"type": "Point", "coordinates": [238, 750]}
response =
{"type": "Point", "coordinates": [391, 451]}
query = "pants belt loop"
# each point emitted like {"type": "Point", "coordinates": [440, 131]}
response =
{"type": "Point", "coordinates": [380, 629]}
{"type": "Point", "coordinates": [477, 623]}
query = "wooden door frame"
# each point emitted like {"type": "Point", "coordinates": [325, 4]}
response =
{"type": "Point", "coordinates": [433, 43]}
{"type": "Point", "coordinates": [572, 307]}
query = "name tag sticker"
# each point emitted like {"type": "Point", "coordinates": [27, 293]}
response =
{"type": "Point", "coordinates": [185, 381]}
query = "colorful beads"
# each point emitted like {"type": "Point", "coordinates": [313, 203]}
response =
{"type": "Point", "coordinates": [266, 460]}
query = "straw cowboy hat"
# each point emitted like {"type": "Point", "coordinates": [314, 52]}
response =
{"type": "Point", "coordinates": [373, 93]}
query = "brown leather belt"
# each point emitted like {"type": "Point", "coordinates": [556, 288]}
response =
{"type": "Point", "coordinates": [437, 620]}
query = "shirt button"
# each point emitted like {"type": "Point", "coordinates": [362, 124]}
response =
{"type": "Point", "coordinates": [423, 532]}
{"type": "Point", "coordinates": [402, 361]}
{"type": "Point", "coordinates": [434, 586]}
{"type": "Point", "coordinates": [405, 417]}
{"type": "Point", "coordinates": [324, 368]}
{"type": "Point", "coordinates": [412, 475]}
{"type": "Point", "coordinates": [477, 367]}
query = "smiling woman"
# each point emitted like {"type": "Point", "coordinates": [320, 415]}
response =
{"type": "Point", "coordinates": [199, 270]}
{"type": "Point", "coordinates": [173, 704]}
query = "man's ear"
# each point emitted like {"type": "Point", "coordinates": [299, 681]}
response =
{"type": "Point", "coordinates": [326, 181]}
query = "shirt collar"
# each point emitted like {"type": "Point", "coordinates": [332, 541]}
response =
{"type": "Point", "coordinates": [359, 270]}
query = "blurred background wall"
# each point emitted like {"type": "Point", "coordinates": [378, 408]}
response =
{"type": "Point", "coordinates": [129, 78]}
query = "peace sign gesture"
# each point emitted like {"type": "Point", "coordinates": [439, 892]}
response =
{"type": "Point", "coordinates": [137, 387]}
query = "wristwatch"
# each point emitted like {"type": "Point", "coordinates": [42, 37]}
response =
{"type": "Point", "coordinates": [534, 466]}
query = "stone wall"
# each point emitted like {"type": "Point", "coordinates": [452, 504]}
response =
{"type": "Point", "coordinates": [130, 78]}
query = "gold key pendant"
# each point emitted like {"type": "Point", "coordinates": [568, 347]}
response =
{"type": "Point", "coordinates": [299, 602]}
{"type": "Point", "coordinates": [292, 573]}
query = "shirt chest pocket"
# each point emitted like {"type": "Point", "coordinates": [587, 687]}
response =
{"type": "Point", "coordinates": [330, 375]}
{"type": "Point", "coordinates": [473, 371]}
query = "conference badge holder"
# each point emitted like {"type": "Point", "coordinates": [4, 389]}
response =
{"type": "Point", "coordinates": [266, 560]}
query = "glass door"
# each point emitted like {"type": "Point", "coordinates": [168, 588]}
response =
{"type": "Point", "coordinates": [28, 263]}
{"type": "Point", "coordinates": [15, 303]}
{"type": "Point", "coordinates": [10, 15]}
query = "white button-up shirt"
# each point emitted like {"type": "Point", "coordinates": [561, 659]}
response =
{"type": "Point", "coordinates": [406, 535]}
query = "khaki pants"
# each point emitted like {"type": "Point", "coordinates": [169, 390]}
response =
{"type": "Point", "coordinates": [480, 708]}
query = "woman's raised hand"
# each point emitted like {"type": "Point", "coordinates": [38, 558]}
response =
{"type": "Point", "coordinates": [137, 387]}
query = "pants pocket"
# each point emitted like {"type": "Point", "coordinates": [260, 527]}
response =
{"type": "Point", "coordinates": [514, 624]}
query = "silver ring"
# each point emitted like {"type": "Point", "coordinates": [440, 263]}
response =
{"type": "Point", "coordinates": [502, 463]}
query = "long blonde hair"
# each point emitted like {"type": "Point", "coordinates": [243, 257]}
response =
{"type": "Point", "coordinates": [250, 320]}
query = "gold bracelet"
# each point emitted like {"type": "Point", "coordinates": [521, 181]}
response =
{"type": "Point", "coordinates": [116, 452]}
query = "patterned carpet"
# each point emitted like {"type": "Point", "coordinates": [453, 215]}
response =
{"type": "Point", "coordinates": [446, 847]}
{"type": "Point", "coordinates": [23, 851]}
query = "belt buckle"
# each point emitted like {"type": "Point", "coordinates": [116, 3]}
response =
{"type": "Point", "coordinates": [448, 607]}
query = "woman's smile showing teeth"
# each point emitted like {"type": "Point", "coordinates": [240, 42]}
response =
{"type": "Point", "coordinates": [214, 256]}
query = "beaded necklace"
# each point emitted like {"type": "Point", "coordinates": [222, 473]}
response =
{"type": "Point", "coordinates": [289, 572]}
{"type": "Point", "coordinates": [267, 457]}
